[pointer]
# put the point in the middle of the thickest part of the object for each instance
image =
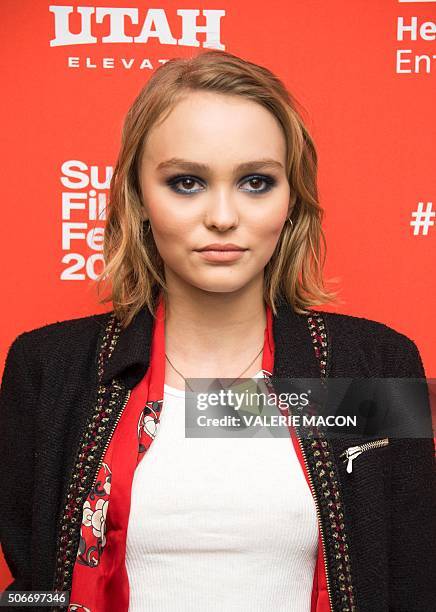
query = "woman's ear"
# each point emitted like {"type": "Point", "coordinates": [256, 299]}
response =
{"type": "Point", "coordinates": [292, 202]}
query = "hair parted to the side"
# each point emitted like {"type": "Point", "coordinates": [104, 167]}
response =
{"type": "Point", "coordinates": [133, 265]}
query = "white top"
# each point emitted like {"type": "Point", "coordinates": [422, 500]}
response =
{"type": "Point", "coordinates": [219, 524]}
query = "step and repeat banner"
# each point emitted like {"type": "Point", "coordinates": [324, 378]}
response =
{"type": "Point", "coordinates": [364, 71]}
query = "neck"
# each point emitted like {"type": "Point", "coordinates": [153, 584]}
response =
{"type": "Point", "coordinates": [214, 334]}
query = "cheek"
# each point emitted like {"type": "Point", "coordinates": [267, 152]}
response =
{"type": "Point", "coordinates": [172, 231]}
{"type": "Point", "coordinates": [169, 213]}
{"type": "Point", "coordinates": [267, 226]}
{"type": "Point", "coordinates": [265, 238]}
{"type": "Point", "coordinates": [268, 231]}
{"type": "Point", "coordinates": [165, 217]}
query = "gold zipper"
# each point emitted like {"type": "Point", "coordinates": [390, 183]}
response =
{"type": "Point", "coordinates": [110, 437]}
{"type": "Point", "coordinates": [352, 452]}
{"type": "Point", "coordinates": [319, 520]}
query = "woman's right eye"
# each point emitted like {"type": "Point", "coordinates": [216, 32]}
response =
{"type": "Point", "coordinates": [186, 182]}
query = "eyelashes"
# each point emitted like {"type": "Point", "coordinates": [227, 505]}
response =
{"type": "Point", "coordinates": [189, 180]}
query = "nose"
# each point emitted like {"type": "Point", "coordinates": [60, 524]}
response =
{"type": "Point", "coordinates": [221, 213]}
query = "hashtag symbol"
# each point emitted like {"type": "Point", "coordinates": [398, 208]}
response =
{"type": "Point", "coordinates": [423, 219]}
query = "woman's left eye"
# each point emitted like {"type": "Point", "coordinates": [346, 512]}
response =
{"type": "Point", "coordinates": [259, 183]}
{"type": "Point", "coordinates": [258, 179]}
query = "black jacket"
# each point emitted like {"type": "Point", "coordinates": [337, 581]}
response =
{"type": "Point", "coordinates": [49, 392]}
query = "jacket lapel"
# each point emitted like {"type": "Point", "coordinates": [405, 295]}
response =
{"type": "Point", "coordinates": [131, 355]}
{"type": "Point", "coordinates": [294, 353]}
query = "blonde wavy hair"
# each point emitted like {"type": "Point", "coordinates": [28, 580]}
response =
{"type": "Point", "coordinates": [133, 266]}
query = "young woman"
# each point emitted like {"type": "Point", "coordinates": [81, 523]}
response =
{"type": "Point", "coordinates": [213, 250]}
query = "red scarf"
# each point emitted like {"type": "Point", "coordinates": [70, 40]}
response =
{"type": "Point", "coordinates": [100, 580]}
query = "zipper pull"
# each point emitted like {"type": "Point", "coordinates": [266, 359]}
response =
{"type": "Point", "coordinates": [349, 455]}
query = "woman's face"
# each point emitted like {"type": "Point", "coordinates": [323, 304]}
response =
{"type": "Point", "coordinates": [213, 173]}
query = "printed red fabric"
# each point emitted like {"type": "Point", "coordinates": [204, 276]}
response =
{"type": "Point", "coordinates": [100, 580]}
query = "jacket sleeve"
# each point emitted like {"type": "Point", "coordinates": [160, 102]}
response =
{"type": "Point", "coordinates": [18, 398]}
{"type": "Point", "coordinates": [412, 554]}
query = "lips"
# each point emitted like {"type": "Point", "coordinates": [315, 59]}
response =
{"type": "Point", "coordinates": [221, 247]}
{"type": "Point", "coordinates": [221, 253]}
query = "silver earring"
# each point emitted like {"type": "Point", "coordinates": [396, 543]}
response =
{"type": "Point", "coordinates": [291, 222]}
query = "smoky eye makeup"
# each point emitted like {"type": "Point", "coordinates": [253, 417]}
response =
{"type": "Point", "coordinates": [184, 183]}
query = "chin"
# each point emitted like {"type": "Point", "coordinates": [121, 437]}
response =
{"type": "Point", "coordinates": [219, 286]}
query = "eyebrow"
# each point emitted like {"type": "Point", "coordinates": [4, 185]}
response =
{"type": "Point", "coordinates": [191, 166]}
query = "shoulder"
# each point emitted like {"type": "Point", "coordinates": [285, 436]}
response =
{"type": "Point", "coordinates": [47, 358]}
{"type": "Point", "coordinates": [53, 341]}
{"type": "Point", "coordinates": [366, 330]}
{"type": "Point", "coordinates": [396, 352]}
{"type": "Point", "coordinates": [77, 325]}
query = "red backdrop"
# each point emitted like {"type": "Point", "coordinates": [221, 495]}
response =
{"type": "Point", "coordinates": [364, 71]}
